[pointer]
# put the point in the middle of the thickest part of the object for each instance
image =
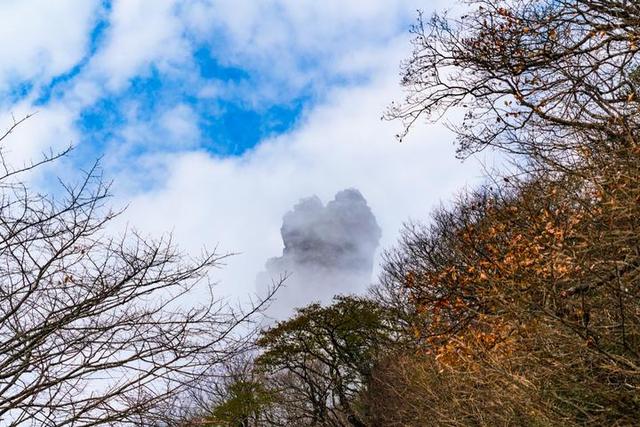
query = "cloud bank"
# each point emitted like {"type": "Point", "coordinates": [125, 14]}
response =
{"type": "Point", "coordinates": [162, 90]}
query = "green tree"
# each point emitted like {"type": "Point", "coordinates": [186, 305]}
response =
{"type": "Point", "coordinates": [245, 405]}
{"type": "Point", "coordinates": [322, 358]}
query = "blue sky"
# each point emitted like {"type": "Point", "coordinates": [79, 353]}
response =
{"type": "Point", "coordinates": [228, 124]}
{"type": "Point", "coordinates": [237, 91]}
{"type": "Point", "coordinates": [214, 117]}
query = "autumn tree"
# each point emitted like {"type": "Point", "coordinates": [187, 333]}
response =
{"type": "Point", "coordinates": [526, 292]}
{"type": "Point", "coordinates": [514, 292]}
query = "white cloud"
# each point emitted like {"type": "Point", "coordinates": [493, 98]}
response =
{"type": "Point", "coordinates": [180, 125]}
{"type": "Point", "coordinates": [140, 33]}
{"type": "Point", "coordinates": [41, 38]}
{"type": "Point", "coordinates": [173, 127]}
{"type": "Point", "coordinates": [48, 130]}
{"type": "Point", "coordinates": [297, 43]}
{"type": "Point", "coordinates": [239, 202]}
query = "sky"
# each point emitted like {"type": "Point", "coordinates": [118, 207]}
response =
{"type": "Point", "coordinates": [215, 118]}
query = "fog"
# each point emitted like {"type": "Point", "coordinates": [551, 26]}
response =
{"type": "Point", "coordinates": [328, 250]}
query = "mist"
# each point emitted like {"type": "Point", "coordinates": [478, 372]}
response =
{"type": "Point", "coordinates": [328, 250]}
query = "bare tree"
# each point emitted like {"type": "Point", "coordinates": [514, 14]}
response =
{"type": "Point", "coordinates": [539, 77]}
{"type": "Point", "coordinates": [96, 330]}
